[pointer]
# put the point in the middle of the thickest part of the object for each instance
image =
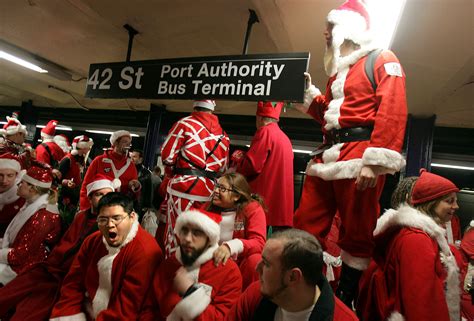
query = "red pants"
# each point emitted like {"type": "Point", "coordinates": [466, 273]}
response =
{"type": "Point", "coordinates": [359, 211]}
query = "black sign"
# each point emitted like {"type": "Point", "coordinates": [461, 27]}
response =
{"type": "Point", "coordinates": [250, 77]}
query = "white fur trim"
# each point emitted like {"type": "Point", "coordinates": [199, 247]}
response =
{"type": "Point", "coordinates": [75, 317]}
{"type": "Point", "coordinates": [410, 217]}
{"type": "Point", "coordinates": [332, 114]}
{"type": "Point", "coordinates": [99, 184]}
{"type": "Point", "coordinates": [335, 170]}
{"type": "Point", "coordinates": [36, 182]}
{"type": "Point", "coordinates": [355, 262]}
{"type": "Point", "coordinates": [202, 221]}
{"type": "Point", "coordinates": [236, 246]}
{"type": "Point", "coordinates": [208, 104]}
{"type": "Point", "coordinates": [7, 163]}
{"type": "Point", "coordinates": [12, 130]}
{"type": "Point", "coordinates": [349, 25]}
{"type": "Point", "coordinates": [396, 316]}
{"type": "Point", "coordinates": [193, 305]}
{"type": "Point", "coordinates": [331, 261]}
{"type": "Point", "coordinates": [309, 95]}
{"type": "Point", "coordinates": [4, 255]}
{"type": "Point", "coordinates": [104, 266]}
{"type": "Point", "coordinates": [388, 158]}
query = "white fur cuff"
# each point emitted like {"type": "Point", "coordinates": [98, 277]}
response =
{"type": "Point", "coordinates": [396, 316]}
{"type": "Point", "coordinates": [193, 305]}
{"type": "Point", "coordinates": [75, 317]}
{"type": "Point", "coordinates": [355, 262]}
{"type": "Point", "coordinates": [393, 161]}
{"type": "Point", "coordinates": [309, 95]}
{"type": "Point", "coordinates": [236, 246]}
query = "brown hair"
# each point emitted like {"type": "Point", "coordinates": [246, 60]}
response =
{"type": "Point", "coordinates": [402, 193]}
{"type": "Point", "coordinates": [428, 208]}
{"type": "Point", "coordinates": [53, 194]}
{"type": "Point", "coordinates": [240, 186]}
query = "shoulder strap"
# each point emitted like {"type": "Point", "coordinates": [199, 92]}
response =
{"type": "Point", "coordinates": [369, 66]}
{"type": "Point", "coordinates": [51, 158]}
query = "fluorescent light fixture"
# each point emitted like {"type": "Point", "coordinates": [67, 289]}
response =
{"type": "Point", "coordinates": [466, 168]}
{"type": "Point", "coordinates": [384, 18]}
{"type": "Point", "coordinates": [69, 129]}
{"type": "Point", "coordinates": [107, 133]}
{"type": "Point", "coordinates": [21, 62]}
{"type": "Point", "coordinates": [302, 151]}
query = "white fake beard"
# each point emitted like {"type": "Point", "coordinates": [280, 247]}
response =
{"type": "Point", "coordinates": [330, 60]}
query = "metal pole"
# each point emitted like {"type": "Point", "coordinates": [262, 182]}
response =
{"type": "Point", "coordinates": [252, 19]}
{"type": "Point", "coordinates": [131, 33]}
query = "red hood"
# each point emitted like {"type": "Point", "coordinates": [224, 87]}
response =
{"type": "Point", "coordinates": [210, 121]}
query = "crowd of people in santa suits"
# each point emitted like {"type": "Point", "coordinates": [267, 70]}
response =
{"type": "Point", "coordinates": [218, 237]}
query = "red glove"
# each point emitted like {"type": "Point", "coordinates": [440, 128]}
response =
{"type": "Point", "coordinates": [237, 156]}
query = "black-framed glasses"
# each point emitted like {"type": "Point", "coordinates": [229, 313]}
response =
{"type": "Point", "coordinates": [223, 189]}
{"type": "Point", "coordinates": [116, 219]}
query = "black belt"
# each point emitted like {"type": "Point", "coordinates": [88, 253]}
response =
{"type": "Point", "coordinates": [196, 172]}
{"type": "Point", "coordinates": [346, 135]}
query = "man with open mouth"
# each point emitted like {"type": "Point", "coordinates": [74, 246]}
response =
{"type": "Point", "coordinates": [112, 272]}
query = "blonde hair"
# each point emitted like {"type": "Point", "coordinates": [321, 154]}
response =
{"type": "Point", "coordinates": [52, 194]}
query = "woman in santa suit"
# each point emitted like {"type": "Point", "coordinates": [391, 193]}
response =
{"type": "Point", "coordinates": [243, 225]}
{"type": "Point", "coordinates": [413, 275]}
{"type": "Point", "coordinates": [35, 229]}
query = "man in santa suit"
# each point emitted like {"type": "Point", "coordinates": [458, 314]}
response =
{"type": "Point", "coordinates": [10, 201]}
{"type": "Point", "coordinates": [363, 132]}
{"type": "Point", "coordinates": [32, 295]}
{"type": "Point", "coordinates": [13, 141]}
{"type": "Point", "coordinates": [188, 286]}
{"type": "Point", "coordinates": [113, 270]}
{"type": "Point", "coordinates": [268, 165]}
{"type": "Point", "coordinates": [49, 151]}
{"type": "Point", "coordinates": [35, 229]}
{"type": "Point", "coordinates": [71, 169]}
{"type": "Point", "coordinates": [116, 165]}
{"type": "Point", "coordinates": [292, 285]}
{"type": "Point", "coordinates": [194, 153]}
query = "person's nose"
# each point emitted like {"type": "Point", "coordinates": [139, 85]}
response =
{"type": "Point", "coordinates": [455, 205]}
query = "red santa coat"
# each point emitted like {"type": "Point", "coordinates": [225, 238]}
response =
{"type": "Point", "coordinates": [194, 142]}
{"type": "Point", "coordinates": [42, 154]}
{"type": "Point", "coordinates": [252, 307]}
{"type": "Point", "coordinates": [467, 273]}
{"type": "Point", "coordinates": [33, 294]}
{"type": "Point", "coordinates": [219, 289]}
{"type": "Point", "coordinates": [109, 164]}
{"type": "Point", "coordinates": [245, 234]}
{"type": "Point", "coordinates": [10, 205]}
{"type": "Point", "coordinates": [268, 167]}
{"type": "Point", "coordinates": [412, 267]}
{"type": "Point", "coordinates": [36, 231]}
{"type": "Point", "coordinates": [109, 283]}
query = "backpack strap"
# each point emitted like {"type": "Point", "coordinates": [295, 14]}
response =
{"type": "Point", "coordinates": [51, 158]}
{"type": "Point", "coordinates": [369, 66]}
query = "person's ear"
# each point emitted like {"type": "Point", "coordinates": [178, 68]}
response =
{"type": "Point", "coordinates": [295, 275]}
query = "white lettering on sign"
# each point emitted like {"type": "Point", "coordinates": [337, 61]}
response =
{"type": "Point", "coordinates": [165, 88]}
{"type": "Point", "coordinates": [105, 76]}
{"type": "Point", "coordinates": [127, 81]}
{"type": "Point", "coordinates": [260, 89]}
{"type": "Point", "coordinates": [175, 72]}
{"type": "Point", "coordinates": [228, 69]}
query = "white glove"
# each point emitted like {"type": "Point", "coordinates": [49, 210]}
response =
{"type": "Point", "coordinates": [309, 93]}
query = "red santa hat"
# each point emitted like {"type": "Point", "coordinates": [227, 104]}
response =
{"type": "Point", "coordinates": [208, 104]}
{"type": "Point", "coordinates": [100, 182]}
{"type": "Point", "coordinates": [430, 186]}
{"type": "Point", "coordinates": [208, 222]}
{"type": "Point", "coordinates": [10, 161]}
{"type": "Point", "coordinates": [49, 130]}
{"type": "Point", "coordinates": [12, 127]}
{"type": "Point", "coordinates": [81, 141]}
{"type": "Point", "coordinates": [116, 135]}
{"type": "Point", "coordinates": [269, 109]}
{"type": "Point", "coordinates": [39, 176]}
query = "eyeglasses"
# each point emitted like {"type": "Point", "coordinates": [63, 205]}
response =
{"type": "Point", "coordinates": [224, 189]}
{"type": "Point", "coordinates": [116, 219]}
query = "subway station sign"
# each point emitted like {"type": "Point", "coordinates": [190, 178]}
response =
{"type": "Point", "coordinates": [246, 77]}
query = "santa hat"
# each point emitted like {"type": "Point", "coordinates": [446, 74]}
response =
{"type": "Point", "coordinates": [81, 141]}
{"type": "Point", "coordinates": [39, 176]}
{"type": "Point", "coordinates": [208, 222]}
{"type": "Point", "coordinates": [49, 130]}
{"type": "Point", "coordinates": [269, 109]}
{"type": "Point", "coordinates": [10, 161]}
{"type": "Point", "coordinates": [62, 141]}
{"type": "Point", "coordinates": [100, 182]}
{"type": "Point", "coordinates": [12, 127]}
{"type": "Point", "coordinates": [208, 104]}
{"type": "Point", "coordinates": [430, 187]}
{"type": "Point", "coordinates": [116, 135]}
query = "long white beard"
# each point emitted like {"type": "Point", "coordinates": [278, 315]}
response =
{"type": "Point", "coordinates": [331, 57]}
